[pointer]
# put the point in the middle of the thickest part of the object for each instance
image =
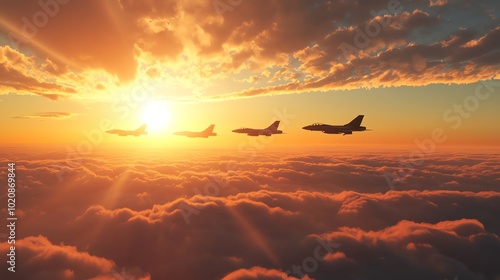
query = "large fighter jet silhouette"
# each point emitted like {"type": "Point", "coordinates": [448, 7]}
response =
{"type": "Point", "coordinates": [205, 133]}
{"type": "Point", "coordinates": [354, 125]}
{"type": "Point", "coordinates": [272, 129]}
{"type": "Point", "coordinates": [140, 131]}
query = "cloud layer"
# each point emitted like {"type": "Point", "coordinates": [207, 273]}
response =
{"type": "Point", "coordinates": [308, 216]}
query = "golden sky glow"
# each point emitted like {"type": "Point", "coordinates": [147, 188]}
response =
{"type": "Point", "coordinates": [183, 66]}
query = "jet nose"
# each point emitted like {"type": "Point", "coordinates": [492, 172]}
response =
{"type": "Point", "coordinates": [306, 127]}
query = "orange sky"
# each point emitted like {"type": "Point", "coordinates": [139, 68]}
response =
{"type": "Point", "coordinates": [394, 117]}
{"type": "Point", "coordinates": [197, 65]}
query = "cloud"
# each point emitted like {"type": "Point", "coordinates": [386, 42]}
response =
{"type": "Point", "coordinates": [48, 115]}
{"type": "Point", "coordinates": [438, 2]}
{"type": "Point", "coordinates": [44, 260]}
{"type": "Point", "coordinates": [276, 47]}
{"type": "Point", "coordinates": [410, 64]}
{"type": "Point", "coordinates": [248, 230]}
{"type": "Point", "coordinates": [126, 213]}
{"type": "Point", "coordinates": [442, 248]}
{"type": "Point", "coordinates": [100, 43]}
{"type": "Point", "coordinates": [23, 74]}
{"type": "Point", "coordinates": [259, 273]}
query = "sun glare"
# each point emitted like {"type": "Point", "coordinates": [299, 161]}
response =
{"type": "Point", "coordinates": [156, 116]}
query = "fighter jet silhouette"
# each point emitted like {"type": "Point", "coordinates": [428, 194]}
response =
{"type": "Point", "coordinates": [354, 125]}
{"type": "Point", "coordinates": [140, 131]}
{"type": "Point", "coordinates": [205, 133]}
{"type": "Point", "coordinates": [272, 129]}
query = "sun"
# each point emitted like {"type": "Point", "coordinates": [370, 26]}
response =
{"type": "Point", "coordinates": [156, 115]}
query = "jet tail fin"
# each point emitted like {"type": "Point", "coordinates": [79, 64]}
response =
{"type": "Point", "coordinates": [141, 129]}
{"type": "Point", "coordinates": [274, 126]}
{"type": "Point", "coordinates": [356, 122]}
{"type": "Point", "coordinates": [209, 129]}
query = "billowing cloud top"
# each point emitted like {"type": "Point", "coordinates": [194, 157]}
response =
{"type": "Point", "coordinates": [230, 216]}
{"type": "Point", "coordinates": [227, 49]}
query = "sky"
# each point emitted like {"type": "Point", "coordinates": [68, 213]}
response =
{"type": "Point", "coordinates": [413, 197]}
{"type": "Point", "coordinates": [177, 65]}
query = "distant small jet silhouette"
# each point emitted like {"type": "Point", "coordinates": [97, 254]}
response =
{"type": "Point", "coordinates": [272, 129]}
{"type": "Point", "coordinates": [205, 133]}
{"type": "Point", "coordinates": [140, 131]}
{"type": "Point", "coordinates": [354, 125]}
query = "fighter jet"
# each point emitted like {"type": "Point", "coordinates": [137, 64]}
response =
{"type": "Point", "coordinates": [140, 131]}
{"type": "Point", "coordinates": [272, 129]}
{"type": "Point", "coordinates": [205, 133]}
{"type": "Point", "coordinates": [354, 125]}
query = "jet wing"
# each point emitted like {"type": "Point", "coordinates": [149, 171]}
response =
{"type": "Point", "coordinates": [338, 132]}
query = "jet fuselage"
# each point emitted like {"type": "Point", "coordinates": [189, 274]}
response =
{"type": "Point", "coordinates": [121, 132]}
{"type": "Point", "coordinates": [333, 128]}
{"type": "Point", "coordinates": [257, 132]}
{"type": "Point", "coordinates": [191, 134]}
{"type": "Point", "coordinates": [272, 129]}
{"type": "Point", "coordinates": [354, 125]}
